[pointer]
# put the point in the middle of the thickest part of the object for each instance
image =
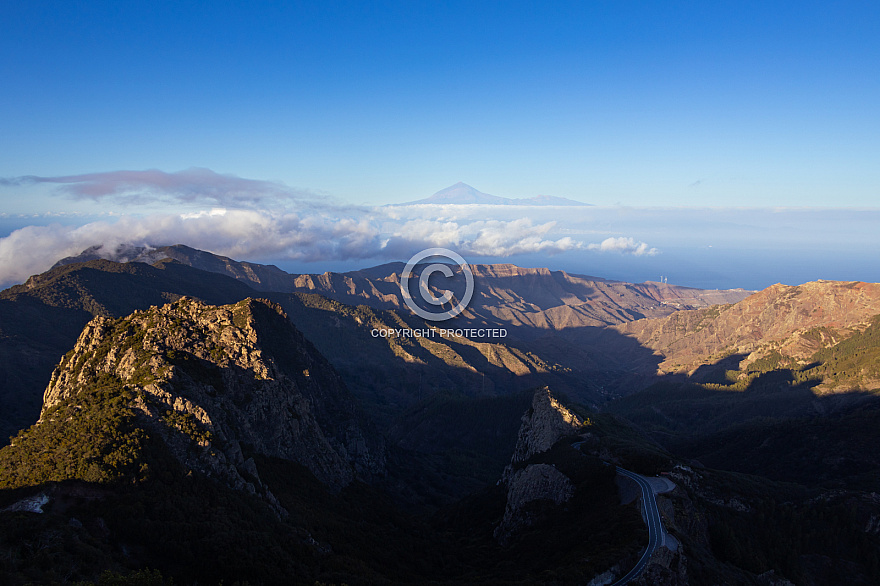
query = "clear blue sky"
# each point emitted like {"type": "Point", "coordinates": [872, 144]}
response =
{"type": "Point", "coordinates": [642, 103]}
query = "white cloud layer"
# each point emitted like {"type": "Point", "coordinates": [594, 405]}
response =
{"type": "Point", "coordinates": [256, 235]}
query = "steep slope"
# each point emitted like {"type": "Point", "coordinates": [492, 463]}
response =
{"type": "Point", "coordinates": [543, 424]}
{"type": "Point", "coordinates": [163, 441]}
{"type": "Point", "coordinates": [394, 372]}
{"type": "Point", "coordinates": [412, 389]}
{"type": "Point", "coordinates": [526, 298]}
{"type": "Point", "coordinates": [815, 424]}
{"type": "Point", "coordinates": [561, 317]}
{"type": "Point", "coordinates": [260, 277]}
{"type": "Point", "coordinates": [208, 379]}
{"type": "Point", "coordinates": [41, 319]}
{"type": "Point", "coordinates": [728, 528]}
{"type": "Point", "coordinates": [785, 384]}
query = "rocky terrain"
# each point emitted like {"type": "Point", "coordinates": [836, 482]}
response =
{"type": "Point", "coordinates": [41, 320]}
{"type": "Point", "coordinates": [794, 321]}
{"type": "Point", "coordinates": [208, 380]}
{"type": "Point", "coordinates": [544, 424]}
{"type": "Point", "coordinates": [159, 429]}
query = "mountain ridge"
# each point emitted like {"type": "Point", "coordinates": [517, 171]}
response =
{"type": "Point", "coordinates": [541, 298]}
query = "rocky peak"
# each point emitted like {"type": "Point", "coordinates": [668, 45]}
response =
{"type": "Point", "coordinates": [530, 484]}
{"type": "Point", "coordinates": [545, 423]}
{"type": "Point", "coordinates": [209, 379]}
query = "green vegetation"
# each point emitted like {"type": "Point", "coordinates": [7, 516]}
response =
{"type": "Point", "coordinates": [855, 360]}
{"type": "Point", "coordinates": [772, 389]}
{"type": "Point", "coordinates": [450, 445]}
{"type": "Point", "coordinates": [772, 361]}
{"type": "Point", "coordinates": [41, 320]}
{"type": "Point", "coordinates": [617, 436]}
{"type": "Point", "coordinates": [833, 451]}
{"type": "Point", "coordinates": [708, 314]}
{"type": "Point", "coordinates": [120, 502]}
{"type": "Point", "coordinates": [195, 530]}
{"type": "Point", "coordinates": [198, 369]}
{"type": "Point", "coordinates": [187, 424]}
{"type": "Point", "coordinates": [93, 437]}
{"type": "Point", "coordinates": [391, 375]}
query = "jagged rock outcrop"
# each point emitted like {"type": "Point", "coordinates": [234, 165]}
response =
{"type": "Point", "coordinates": [544, 424]}
{"type": "Point", "coordinates": [209, 380]}
{"type": "Point", "coordinates": [531, 486]}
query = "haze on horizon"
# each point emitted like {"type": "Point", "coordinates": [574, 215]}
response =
{"type": "Point", "coordinates": [723, 146]}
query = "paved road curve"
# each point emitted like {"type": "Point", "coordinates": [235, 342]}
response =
{"type": "Point", "coordinates": [655, 525]}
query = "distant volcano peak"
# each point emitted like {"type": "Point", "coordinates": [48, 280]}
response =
{"type": "Point", "coordinates": [463, 194]}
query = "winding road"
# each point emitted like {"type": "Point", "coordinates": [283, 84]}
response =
{"type": "Point", "coordinates": [656, 532]}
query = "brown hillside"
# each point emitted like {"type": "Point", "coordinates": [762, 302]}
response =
{"type": "Point", "coordinates": [794, 320]}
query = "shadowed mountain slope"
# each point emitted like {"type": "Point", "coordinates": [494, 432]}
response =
{"type": "Point", "coordinates": [785, 384]}
{"type": "Point", "coordinates": [182, 432]}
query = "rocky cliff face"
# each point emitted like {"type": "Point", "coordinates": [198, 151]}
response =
{"type": "Point", "coordinates": [209, 380]}
{"type": "Point", "coordinates": [533, 485]}
{"type": "Point", "coordinates": [544, 424]}
{"type": "Point", "coordinates": [529, 490]}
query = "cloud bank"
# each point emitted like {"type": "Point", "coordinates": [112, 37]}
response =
{"type": "Point", "coordinates": [246, 234]}
{"type": "Point", "coordinates": [256, 235]}
{"type": "Point", "coordinates": [264, 221]}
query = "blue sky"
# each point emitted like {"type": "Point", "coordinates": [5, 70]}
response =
{"type": "Point", "coordinates": [641, 103]}
{"type": "Point", "coordinates": [724, 104]}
